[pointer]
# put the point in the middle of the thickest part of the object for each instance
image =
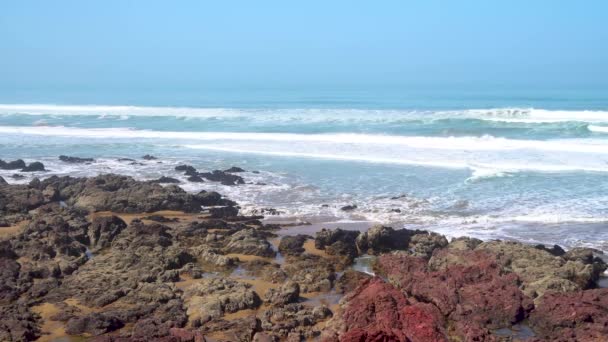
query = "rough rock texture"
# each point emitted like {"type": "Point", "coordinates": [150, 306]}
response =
{"type": "Point", "coordinates": [250, 242]}
{"type": "Point", "coordinates": [312, 272]}
{"type": "Point", "coordinates": [288, 293]}
{"type": "Point", "coordinates": [377, 311]}
{"type": "Point", "coordinates": [75, 160]}
{"type": "Point", "coordinates": [541, 271]}
{"type": "Point", "coordinates": [574, 316]}
{"type": "Point", "coordinates": [225, 178]}
{"type": "Point", "coordinates": [380, 239]}
{"type": "Point", "coordinates": [124, 194]}
{"type": "Point", "coordinates": [350, 280]}
{"type": "Point", "coordinates": [34, 167]}
{"type": "Point", "coordinates": [12, 165]}
{"type": "Point", "coordinates": [292, 245]}
{"type": "Point", "coordinates": [213, 297]}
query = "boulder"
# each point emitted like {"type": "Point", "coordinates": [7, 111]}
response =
{"type": "Point", "coordinates": [93, 324]}
{"type": "Point", "coordinates": [381, 239]}
{"type": "Point", "coordinates": [287, 293]}
{"type": "Point", "coordinates": [75, 160]}
{"type": "Point", "coordinates": [223, 177]}
{"type": "Point", "coordinates": [292, 245]}
{"type": "Point", "coordinates": [234, 169]}
{"type": "Point", "coordinates": [34, 167]}
{"type": "Point", "coordinates": [166, 180]}
{"type": "Point", "coordinates": [149, 157]}
{"type": "Point", "coordinates": [13, 165]}
{"type": "Point", "coordinates": [250, 242]}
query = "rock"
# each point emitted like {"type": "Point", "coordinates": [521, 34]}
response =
{"type": "Point", "coordinates": [350, 280]}
{"type": "Point", "coordinates": [234, 169]}
{"type": "Point", "coordinates": [250, 242]}
{"type": "Point", "coordinates": [185, 335]}
{"type": "Point", "coordinates": [555, 250]}
{"type": "Point", "coordinates": [472, 292]}
{"type": "Point", "coordinates": [213, 297]}
{"type": "Point", "coordinates": [94, 324]}
{"type": "Point", "coordinates": [376, 311]}
{"type": "Point", "coordinates": [18, 323]}
{"type": "Point", "coordinates": [311, 272]}
{"type": "Point", "coordinates": [293, 321]}
{"type": "Point", "coordinates": [349, 207]}
{"type": "Point", "coordinates": [380, 239]}
{"type": "Point", "coordinates": [573, 316]}
{"type": "Point", "coordinates": [161, 219]}
{"type": "Point", "coordinates": [541, 271]}
{"type": "Point", "coordinates": [187, 169]}
{"type": "Point", "coordinates": [327, 237]}
{"type": "Point", "coordinates": [17, 176]}
{"type": "Point", "coordinates": [2, 181]}
{"type": "Point", "coordinates": [292, 245]}
{"type": "Point", "coordinates": [464, 243]}
{"type": "Point", "coordinates": [33, 167]}
{"type": "Point", "coordinates": [123, 194]}
{"type": "Point", "coordinates": [149, 157]}
{"type": "Point", "coordinates": [196, 179]}
{"type": "Point", "coordinates": [75, 160]}
{"type": "Point", "coordinates": [166, 180]}
{"type": "Point", "coordinates": [104, 230]}
{"type": "Point", "coordinates": [424, 244]}
{"type": "Point", "coordinates": [223, 177]}
{"type": "Point", "coordinates": [287, 293]}
{"type": "Point", "coordinates": [13, 165]}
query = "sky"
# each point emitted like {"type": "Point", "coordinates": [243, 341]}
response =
{"type": "Point", "coordinates": [193, 44]}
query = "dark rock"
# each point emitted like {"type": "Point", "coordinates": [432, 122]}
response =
{"type": "Point", "coordinates": [161, 219]}
{"type": "Point", "coordinates": [349, 207]}
{"type": "Point", "coordinates": [292, 245]}
{"type": "Point", "coordinates": [327, 237]}
{"type": "Point", "coordinates": [196, 179]}
{"type": "Point", "coordinates": [350, 280]}
{"type": "Point", "coordinates": [313, 273]}
{"type": "Point", "coordinates": [75, 160]}
{"type": "Point", "coordinates": [187, 169]}
{"type": "Point", "coordinates": [166, 180]}
{"type": "Point", "coordinates": [234, 169]}
{"type": "Point", "coordinates": [223, 177]}
{"type": "Point", "coordinates": [104, 230]}
{"type": "Point", "coordinates": [380, 239]}
{"type": "Point", "coordinates": [33, 167]}
{"type": "Point", "coordinates": [149, 157]}
{"type": "Point", "coordinates": [94, 324]}
{"type": "Point", "coordinates": [13, 165]}
{"type": "Point", "coordinates": [18, 323]}
{"type": "Point", "coordinates": [287, 293]}
{"type": "Point", "coordinates": [126, 160]}
{"type": "Point", "coordinates": [17, 176]}
{"type": "Point", "coordinates": [250, 242]}
{"type": "Point", "coordinates": [2, 181]}
{"type": "Point", "coordinates": [555, 250]}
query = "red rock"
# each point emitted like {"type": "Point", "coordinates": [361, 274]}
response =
{"type": "Point", "coordinates": [574, 316]}
{"type": "Point", "coordinates": [377, 311]}
{"type": "Point", "coordinates": [186, 335]}
{"type": "Point", "coordinates": [472, 294]}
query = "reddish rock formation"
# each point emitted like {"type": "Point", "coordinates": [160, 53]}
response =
{"type": "Point", "coordinates": [574, 316]}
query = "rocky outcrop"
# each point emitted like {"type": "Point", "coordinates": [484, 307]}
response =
{"type": "Point", "coordinates": [212, 298]}
{"type": "Point", "coordinates": [223, 177]}
{"type": "Point", "coordinates": [75, 160]}
{"type": "Point", "coordinates": [250, 242]}
{"type": "Point", "coordinates": [292, 245]}
{"type": "Point", "coordinates": [104, 230]}
{"type": "Point", "coordinates": [12, 165]}
{"type": "Point", "coordinates": [380, 239]}
{"type": "Point", "coordinates": [286, 294]}
{"type": "Point", "coordinates": [573, 316]}
{"type": "Point", "coordinates": [34, 167]}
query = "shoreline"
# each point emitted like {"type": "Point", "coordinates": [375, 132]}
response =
{"type": "Point", "coordinates": [110, 258]}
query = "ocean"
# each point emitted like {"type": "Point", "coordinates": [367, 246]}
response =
{"type": "Point", "coordinates": [501, 163]}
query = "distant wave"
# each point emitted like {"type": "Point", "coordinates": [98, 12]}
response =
{"type": "Point", "coordinates": [509, 115]}
{"type": "Point", "coordinates": [598, 129]}
{"type": "Point", "coordinates": [487, 156]}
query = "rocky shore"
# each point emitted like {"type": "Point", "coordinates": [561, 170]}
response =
{"type": "Point", "coordinates": [109, 258]}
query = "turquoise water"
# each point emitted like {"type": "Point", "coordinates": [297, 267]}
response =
{"type": "Point", "coordinates": [514, 163]}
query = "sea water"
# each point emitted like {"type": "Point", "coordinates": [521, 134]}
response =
{"type": "Point", "coordinates": [525, 165]}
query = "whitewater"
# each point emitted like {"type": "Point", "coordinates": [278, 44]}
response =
{"type": "Point", "coordinates": [538, 175]}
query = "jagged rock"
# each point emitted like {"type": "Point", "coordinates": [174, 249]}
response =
{"type": "Point", "coordinates": [104, 230]}
{"type": "Point", "coordinates": [149, 157]}
{"type": "Point", "coordinates": [33, 167]}
{"type": "Point", "coordinates": [196, 179]}
{"type": "Point", "coordinates": [187, 169]}
{"type": "Point", "coordinates": [294, 320]}
{"type": "Point", "coordinates": [94, 324]}
{"type": "Point", "coordinates": [18, 323]}
{"type": "Point", "coordinates": [223, 177]}
{"type": "Point", "coordinates": [292, 245]}
{"type": "Point", "coordinates": [350, 280]}
{"type": "Point", "coordinates": [327, 237]}
{"type": "Point", "coordinates": [166, 180]}
{"type": "Point", "coordinates": [75, 160]}
{"type": "Point", "coordinates": [380, 239]}
{"type": "Point", "coordinates": [541, 271]}
{"type": "Point", "coordinates": [464, 243]}
{"type": "Point", "coordinates": [234, 169]}
{"type": "Point", "coordinates": [424, 244]}
{"type": "Point", "coordinates": [287, 293]}
{"type": "Point", "coordinates": [213, 297]}
{"type": "Point", "coordinates": [574, 316]}
{"type": "Point", "coordinates": [349, 207]}
{"type": "Point", "coordinates": [2, 181]}
{"type": "Point", "coordinates": [311, 272]}
{"type": "Point", "coordinates": [250, 242]}
{"type": "Point", "coordinates": [13, 165]}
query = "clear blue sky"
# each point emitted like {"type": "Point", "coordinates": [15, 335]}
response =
{"type": "Point", "coordinates": [250, 43]}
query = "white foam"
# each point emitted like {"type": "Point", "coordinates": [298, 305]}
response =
{"type": "Point", "coordinates": [487, 155]}
{"type": "Point", "coordinates": [598, 129]}
{"type": "Point", "coordinates": [514, 115]}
